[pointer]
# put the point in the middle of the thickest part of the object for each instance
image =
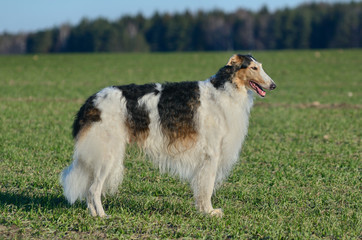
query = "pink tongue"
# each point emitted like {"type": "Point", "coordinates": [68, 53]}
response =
{"type": "Point", "coordinates": [261, 92]}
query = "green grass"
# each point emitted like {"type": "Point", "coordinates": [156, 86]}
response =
{"type": "Point", "coordinates": [299, 175]}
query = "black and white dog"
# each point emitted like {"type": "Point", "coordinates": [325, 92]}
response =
{"type": "Point", "coordinates": [191, 129]}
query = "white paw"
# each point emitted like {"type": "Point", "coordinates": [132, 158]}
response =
{"type": "Point", "coordinates": [103, 215]}
{"type": "Point", "coordinates": [217, 212]}
{"type": "Point", "coordinates": [92, 212]}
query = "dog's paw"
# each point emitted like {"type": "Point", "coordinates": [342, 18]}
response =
{"type": "Point", "coordinates": [217, 212]}
{"type": "Point", "coordinates": [92, 212]}
{"type": "Point", "coordinates": [106, 216]}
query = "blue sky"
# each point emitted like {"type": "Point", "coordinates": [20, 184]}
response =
{"type": "Point", "coordinates": [31, 15]}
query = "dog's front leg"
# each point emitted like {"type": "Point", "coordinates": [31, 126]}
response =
{"type": "Point", "coordinates": [203, 185]}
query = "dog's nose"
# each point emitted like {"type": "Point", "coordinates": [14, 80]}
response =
{"type": "Point", "coordinates": [273, 86]}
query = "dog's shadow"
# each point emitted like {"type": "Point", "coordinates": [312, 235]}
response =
{"type": "Point", "coordinates": [28, 203]}
{"type": "Point", "coordinates": [49, 201]}
{"type": "Point", "coordinates": [146, 205]}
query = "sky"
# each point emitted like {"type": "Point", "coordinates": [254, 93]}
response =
{"type": "Point", "coordinates": [33, 15]}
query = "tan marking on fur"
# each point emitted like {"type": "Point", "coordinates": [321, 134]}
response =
{"type": "Point", "coordinates": [137, 137]}
{"type": "Point", "coordinates": [182, 138]}
{"type": "Point", "coordinates": [82, 132]}
{"type": "Point", "coordinates": [93, 115]}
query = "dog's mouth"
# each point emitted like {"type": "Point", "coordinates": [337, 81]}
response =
{"type": "Point", "coordinates": [257, 88]}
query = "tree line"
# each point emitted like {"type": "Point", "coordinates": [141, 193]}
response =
{"type": "Point", "coordinates": [312, 25]}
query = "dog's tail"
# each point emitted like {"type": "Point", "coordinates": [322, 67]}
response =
{"type": "Point", "coordinates": [76, 182]}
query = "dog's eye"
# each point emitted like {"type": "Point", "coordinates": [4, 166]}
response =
{"type": "Point", "coordinates": [254, 68]}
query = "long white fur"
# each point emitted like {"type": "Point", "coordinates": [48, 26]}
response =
{"type": "Point", "coordinates": [222, 121]}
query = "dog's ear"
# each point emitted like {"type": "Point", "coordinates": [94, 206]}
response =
{"type": "Point", "coordinates": [235, 60]}
{"type": "Point", "coordinates": [239, 61]}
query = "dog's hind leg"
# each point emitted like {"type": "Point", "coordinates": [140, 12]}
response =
{"type": "Point", "coordinates": [106, 178]}
{"type": "Point", "coordinates": [95, 192]}
{"type": "Point", "coordinates": [108, 175]}
{"type": "Point", "coordinates": [90, 205]}
{"type": "Point", "coordinates": [203, 185]}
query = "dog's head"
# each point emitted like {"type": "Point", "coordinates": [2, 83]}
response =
{"type": "Point", "coordinates": [249, 73]}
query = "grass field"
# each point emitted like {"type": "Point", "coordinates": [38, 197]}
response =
{"type": "Point", "coordinates": [299, 175]}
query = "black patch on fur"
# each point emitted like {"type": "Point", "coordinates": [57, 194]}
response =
{"type": "Point", "coordinates": [177, 108]}
{"type": "Point", "coordinates": [86, 115]}
{"type": "Point", "coordinates": [226, 73]}
{"type": "Point", "coordinates": [138, 117]}
{"type": "Point", "coordinates": [247, 60]}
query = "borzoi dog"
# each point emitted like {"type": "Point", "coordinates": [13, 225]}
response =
{"type": "Point", "coordinates": [191, 129]}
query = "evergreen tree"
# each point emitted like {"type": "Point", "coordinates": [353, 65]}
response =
{"type": "Point", "coordinates": [312, 25]}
